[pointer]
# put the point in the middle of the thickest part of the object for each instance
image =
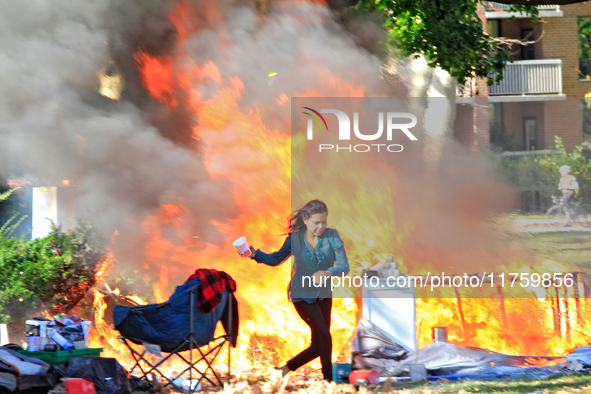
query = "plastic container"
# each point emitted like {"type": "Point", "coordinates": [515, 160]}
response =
{"type": "Point", "coordinates": [33, 343]}
{"type": "Point", "coordinates": [42, 342]}
{"type": "Point", "coordinates": [37, 328]}
{"type": "Point", "coordinates": [86, 329]}
{"type": "Point", "coordinates": [60, 340]}
{"type": "Point", "coordinates": [79, 345]}
{"type": "Point", "coordinates": [62, 355]}
{"type": "Point", "coordinates": [341, 372]}
{"type": "Point", "coordinates": [370, 376]}
{"type": "Point", "coordinates": [79, 386]}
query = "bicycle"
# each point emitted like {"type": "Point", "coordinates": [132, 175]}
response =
{"type": "Point", "coordinates": [558, 215]}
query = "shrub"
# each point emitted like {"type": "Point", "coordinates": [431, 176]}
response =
{"type": "Point", "coordinates": [51, 273]}
{"type": "Point", "coordinates": [542, 172]}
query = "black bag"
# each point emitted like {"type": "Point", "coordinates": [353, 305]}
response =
{"type": "Point", "coordinates": [107, 374]}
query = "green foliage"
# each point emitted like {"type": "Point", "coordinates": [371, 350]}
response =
{"type": "Point", "coordinates": [51, 273]}
{"type": "Point", "coordinates": [585, 38]}
{"type": "Point", "coordinates": [544, 170]}
{"type": "Point", "coordinates": [500, 139]}
{"type": "Point", "coordinates": [4, 196]}
{"type": "Point", "coordinates": [448, 33]}
{"type": "Point", "coordinates": [586, 115]}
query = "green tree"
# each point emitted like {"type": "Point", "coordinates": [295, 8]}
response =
{"type": "Point", "coordinates": [448, 33]}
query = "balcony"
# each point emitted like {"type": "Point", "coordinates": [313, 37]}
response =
{"type": "Point", "coordinates": [529, 80]}
{"type": "Point", "coordinates": [501, 11]}
{"type": "Point", "coordinates": [517, 156]}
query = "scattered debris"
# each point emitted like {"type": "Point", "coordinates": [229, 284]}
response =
{"type": "Point", "coordinates": [289, 384]}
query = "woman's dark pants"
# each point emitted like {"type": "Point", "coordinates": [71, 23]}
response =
{"type": "Point", "coordinates": [317, 316]}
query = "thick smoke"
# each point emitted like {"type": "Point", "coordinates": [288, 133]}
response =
{"type": "Point", "coordinates": [128, 157]}
{"type": "Point", "coordinates": [55, 126]}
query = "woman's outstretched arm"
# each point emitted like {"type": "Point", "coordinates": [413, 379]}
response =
{"type": "Point", "coordinates": [275, 258]}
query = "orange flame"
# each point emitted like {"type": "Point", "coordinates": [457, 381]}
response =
{"type": "Point", "coordinates": [239, 148]}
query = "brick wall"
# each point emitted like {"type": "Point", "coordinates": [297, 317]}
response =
{"type": "Point", "coordinates": [481, 127]}
{"type": "Point", "coordinates": [514, 114]}
{"type": "Point", "coordinates": [471, 124]}
{"type": "Point", "coordinates": [463, 124]}
{"type": "Point", "coordinates": [513, 123]}
{"type": "Point", "coordinates": [559, 40]}
{"type": "Point", "coordinates": [563, 118]}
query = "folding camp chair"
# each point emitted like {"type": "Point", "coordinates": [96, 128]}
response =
{"type": "Point", "coordinates": [176, 326]}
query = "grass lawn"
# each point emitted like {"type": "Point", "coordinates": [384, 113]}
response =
{"type": "Point", "coordinates": [526, 216]}
{"type": "Point", "coordinates": [570, 247]}
{"type": "Point", "coordinates": [563, 384]}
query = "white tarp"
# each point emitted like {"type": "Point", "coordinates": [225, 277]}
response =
{"type": "Point", "coordinates": [372, 350]}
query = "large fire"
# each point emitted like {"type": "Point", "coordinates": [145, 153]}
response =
{"type": "Point", "coordinates": [239, 148]}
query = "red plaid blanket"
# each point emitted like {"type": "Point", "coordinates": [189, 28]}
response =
{"type": "Point", "coordinates": [213, 284]}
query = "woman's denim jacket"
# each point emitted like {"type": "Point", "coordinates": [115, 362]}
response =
{"type": "Point", "coordinates": [329, 255]}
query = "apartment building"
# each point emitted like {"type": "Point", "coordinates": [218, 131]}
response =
{"type": "Point", "coordinates": [542, 93]}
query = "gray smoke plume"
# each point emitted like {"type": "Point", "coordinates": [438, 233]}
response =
{"type": "Point", "coordinates": [128, 157]}
{"type": "Point", "coordinates": [56, 126]}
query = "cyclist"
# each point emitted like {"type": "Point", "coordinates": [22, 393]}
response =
{"type": "Point", "coordinates": [569, 186]}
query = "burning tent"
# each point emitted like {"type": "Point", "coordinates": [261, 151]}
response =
{"type": "Point", "coordinates": [21, 372]}
{"type": "Point", "coordinates": [372, 349]}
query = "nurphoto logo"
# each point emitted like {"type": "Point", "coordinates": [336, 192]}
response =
{"type": "Point", "coordinates": [393, 123]}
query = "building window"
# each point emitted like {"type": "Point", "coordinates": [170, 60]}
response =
{"type": "Point", "coordinates": [500, 139]}
{"type": "Point", "coordinates": [528, 52]}
{"type": "Point", "coordinates": [586, 119]}
{"type": "Point", "coordinates": [585, 47]}
{"type": "Point", "coordinates": [493, 27]}
{"type": "Point", "coordinates": [529, 133]}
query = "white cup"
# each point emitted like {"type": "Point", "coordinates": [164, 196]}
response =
{"type": "Point", "coordinates": [242, 247]}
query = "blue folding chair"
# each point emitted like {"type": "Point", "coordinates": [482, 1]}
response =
{"type": "Point", "coordinates": [177, 326]}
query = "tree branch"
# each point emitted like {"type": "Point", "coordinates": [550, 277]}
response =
{"type": "Point", "coordinates": [510, 41]}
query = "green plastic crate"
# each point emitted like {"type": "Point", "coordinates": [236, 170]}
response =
{"type": "Point", "coordinates": [61, 355]}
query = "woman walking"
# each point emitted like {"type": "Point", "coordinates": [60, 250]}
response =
{"type": "Point", "coordinates": [318, 253]}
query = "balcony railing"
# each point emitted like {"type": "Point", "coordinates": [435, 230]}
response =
{"type": "Point", "coordinates": [530, 77]}
{"type": "Point", "coordinates": [493, 6]}
{"type": "Point", "coordinates": [517, 156]}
